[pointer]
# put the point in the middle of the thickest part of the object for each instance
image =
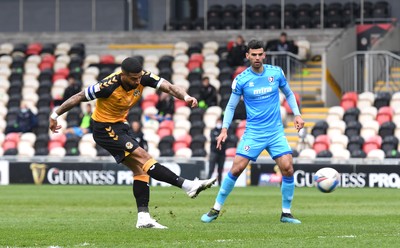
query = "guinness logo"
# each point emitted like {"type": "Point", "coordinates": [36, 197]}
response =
{"type": "Point", "coordinates": [38, 172]}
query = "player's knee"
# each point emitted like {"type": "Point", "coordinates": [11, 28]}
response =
{"type": "Point", "coordinates": [142, 177]}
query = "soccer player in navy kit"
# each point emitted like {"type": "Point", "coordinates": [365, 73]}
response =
{"type": "Point", "coordinates": [259, 85]}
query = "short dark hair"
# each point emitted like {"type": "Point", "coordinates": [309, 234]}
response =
{"type": "Point", "coordinates": [283, 34]}
{"type": "Point", "coordinates": [255, 44]}
{"type": "Point", "coordinates": [131, 65]}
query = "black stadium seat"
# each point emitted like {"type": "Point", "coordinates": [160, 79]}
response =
{"type": "Point", "coordinates": [353, 128]}
{"type": "Point", "coordinates": [382, 99]}
{"type": "Point", "coordinates": [351, 115]}
{"type": "Point", "coordinates": [355, 143]}
{"type": "Point", "coordinates": [387, 129]}
{"type": "Point", "coordinates": [319, 128]}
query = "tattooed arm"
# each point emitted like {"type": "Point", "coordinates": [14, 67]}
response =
{"type": "Point", "coordinates": [66, 106]}
{"type": "Point", "coordinates": [178, 92]}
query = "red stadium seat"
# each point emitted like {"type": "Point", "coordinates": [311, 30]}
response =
{"type": "Point", "coordinates": [349, 100]}
{"type": "Point", "coordinates": [53, 144]}
{"type": "Point", "coordinates": [61, 74]}
{"type": "Point", "coordinates": [152, 97]}
{"type": "Point", "coordinates": [178, 145]}
{"type": "Point", "coordinates": [385, 114]}
{"type": "Point", "coordinates": [186, 138]}
{"type": "Point", "coordinates": [59, 137]}
{"type": "Point", "coordinates": [347, 104]}
{"type": "Point", "coordinates": [14, 137]}
{"type": "Point", "coordinates": [164, 131]}
{"type": "Point", "coordinates": [179, 103]}
{"type": "Point", "coordinates": [45, 65]}
{"type": "Point", "coordinates": [196, 57]}
{"type": "Point", "coordinates": [238, 70]}
{"type": "Point", "coordinates": [9, 144]}
{"type": "Point", "coordinates": [147, 103]}
{"type": "Point", "coordinates": [321, 143]}
{"type": "Point", "coordinates": [34, 49]}
{"type": "Point", "coordinates": [242, 124]}
{"type": "Point", "coordinates": [167, 124]}
{"type": "Point", "coordinates": [240, 131]}
{"type": "Point", "coordinates": [372, 143]}
{"type": "Point", "coordinates": [107, 59]}
{"type": "Point", "coordinates": [49, 58]}
{"type": "Point", "coordinates": [230, 152]}
{"type": "Point", "coordinates": [285, 104]}
{"type": "Point", "coordinates": [191, 65]}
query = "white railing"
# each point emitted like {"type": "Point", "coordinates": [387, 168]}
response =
{"type": "Point", "coordinates": [370, 71]}
{"type": "Point", "coordinates": [290, 63]}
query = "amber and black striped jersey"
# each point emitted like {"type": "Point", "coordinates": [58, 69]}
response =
{"type": "Point", "coordinates": [113, 101]}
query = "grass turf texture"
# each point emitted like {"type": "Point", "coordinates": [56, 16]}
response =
{"type": "Point", "coordinates": [105, 216]}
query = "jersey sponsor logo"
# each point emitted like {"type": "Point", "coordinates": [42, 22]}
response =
{"type": "Point", "coordinates": [129, 145]}
{"type": "Point", "coordinates": [262, 90]}
{"type": "Point", "coordinates": [251, 84]}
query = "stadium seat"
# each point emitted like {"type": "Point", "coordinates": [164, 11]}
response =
{"type": "Point", "coordinates": [57, 152]}
{"type": "Point", "coordinates": [340, 154]}
{"type": "Point", "coordinates": [307, 154]}
{"type": "Point", "coordinates": [324, 154]}
{"type": "Point", "coordinates": [353, 128]}
{"type": "Point", "coordinates": [319, 128]}
{"type": "Point", "coordinates": [370, 128]}
{"type": "Point", "coordinates": [395, 100]}
{"type": "Point", "coordinates": [389, 143]}
{"type": "Point", "coordinates": [338, 142]}
{"type": "Point", "coordinates": [382, 99]}
{"type": "Point", "coordinates": [372, 143]}
{"type": "Point", "coordinates": [385, 114]}
{"type": "Point", "coordinates": [321, 143]}
{"type": "Point", "coordinates": [169, 124]}
{"type": "Point", "coordinates": [376, 154]}
{"type": "Point", "coordinates": [355, 143]}
{"type": "Point", "coordinates": [230, 152]}
{"type": "Point", "coordinates": [365, 99]}
{"type": "Point", "coordinates": [336, 127]}
{"type": "Point", "coordinates": [387, 129]}
{"type": "Point", "coordinates": [367, 114]}
{"type": "Point", "coordinates": [349, 100]}
{"type": "Point", "coordinates": [351, 114]}
{"type": "Point", "coordinates": [358, 154]}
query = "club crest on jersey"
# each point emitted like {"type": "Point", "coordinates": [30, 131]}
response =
{"type": "Point", "coordinates": [136, 92]}
{"type": "Point", "coordinates": [129, 145]}
{"type": "Point", "coordinates": [271, 80]}
{"type": "Point", "coordinates": [247, 148]}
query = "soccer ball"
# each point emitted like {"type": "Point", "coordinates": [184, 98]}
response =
{"type": "Point", "coordinates": [327, 179]}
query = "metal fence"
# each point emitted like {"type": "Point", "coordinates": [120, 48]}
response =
{"type": "Point", "coordinates": [290, 63]}
{"type": "Point", "coordinates": [372, 71]}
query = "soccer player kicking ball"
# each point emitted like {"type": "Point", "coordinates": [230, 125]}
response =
{"type": "Point", "coordinates": [259, 85]}
{"type": "Point", "coordinates": [115, 95]}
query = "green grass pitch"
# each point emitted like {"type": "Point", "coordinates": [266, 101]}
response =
{"type": "Point", "coordinates": [105, 216]}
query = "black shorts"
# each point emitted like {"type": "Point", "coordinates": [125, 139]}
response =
{"type": "Point", "coordinates": [116, 138]}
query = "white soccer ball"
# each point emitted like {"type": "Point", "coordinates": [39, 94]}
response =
{"type": "Point", "coordinates": [327, 179]}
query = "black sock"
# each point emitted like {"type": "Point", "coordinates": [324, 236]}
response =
{"type": "Point", "coordinates": [162, 173]}
{"type": "Point", "coordinates": [141, 191]}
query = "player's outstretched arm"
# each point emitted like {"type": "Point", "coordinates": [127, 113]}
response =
{"type": "Point", "coordinates": [178, 92]}
{"type": "Point", "coordinates": [66, 106]}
